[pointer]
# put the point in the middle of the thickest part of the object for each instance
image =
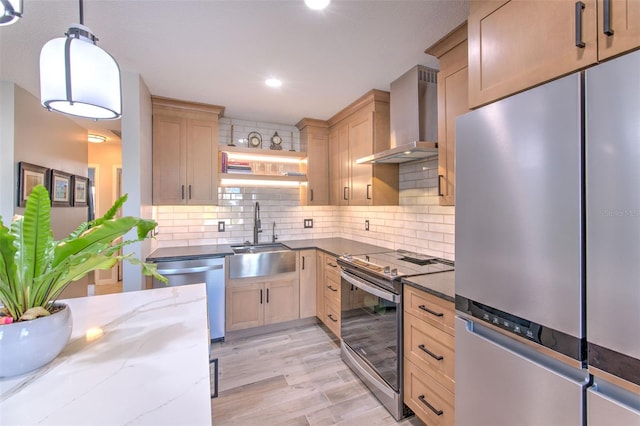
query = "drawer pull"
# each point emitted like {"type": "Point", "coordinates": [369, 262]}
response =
{"type": "Point", "coordinates": [424, 308]}
{"type": "Point", "coordinates": [424, 401]}
{"type": "Point", "coordinates": [331, 318]}
{"type": "Point", "coordinates": [331, 288]}
{"type": "Point", "coordinates": [428, 352]}
{"type": "Point", "coordinates": [333, 265]}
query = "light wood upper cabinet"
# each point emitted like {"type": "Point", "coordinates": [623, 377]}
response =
{"type": "Point", "coordinates": [185, 152]}
{"type": "Point", "coordinates": [453, 79]}
{"type": "Point", "coordinates": [622, 31]}
{"type": "Point", "coordinates": [357, 131]}
{"type": "Point", "coordinates": [314, 139]}
{"type": "Point", "coordinates": [518, 44]}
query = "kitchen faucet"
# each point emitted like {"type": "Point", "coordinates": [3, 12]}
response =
{"type": "Point", "coordinates": [256, 222]}
{"type": "Point", "coordinates": [275, 237]}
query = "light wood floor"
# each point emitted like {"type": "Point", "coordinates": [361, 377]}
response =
{"type": "Point", "coordinates": [292, 377]}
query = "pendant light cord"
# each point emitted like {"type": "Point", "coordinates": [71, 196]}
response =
{"type": "Point", "coordinates": [81, 13]}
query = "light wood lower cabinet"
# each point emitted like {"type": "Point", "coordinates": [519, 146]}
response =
{"type": "Point", "coordinates": [429, 357]}
{"type": "Point", "coordinates": [328, 292]}
{"type": "Point", "coordinates": [307, 264]}
{"type": "Point", "coordinates": [252, 302]}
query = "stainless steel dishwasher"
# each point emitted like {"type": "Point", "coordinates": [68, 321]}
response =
{"type": "Point", "coordinates": [194, 271]}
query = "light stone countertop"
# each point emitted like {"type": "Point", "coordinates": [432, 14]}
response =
{"type": "Point", "coordinates": [135, 358]}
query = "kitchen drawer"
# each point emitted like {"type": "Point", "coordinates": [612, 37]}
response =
{"type": "Point", "coordinates": [332, 288]}
{"type": "Point", "coordinates": [420, 337]}
{"type": "Point", "coordinates": [432, 309]}
{"type": "Point", "coordinates": [421, 389]}
{"type": "Point", "coordinates": [331, 264]}
{"type": "Point", "coordinates": [332, 317]}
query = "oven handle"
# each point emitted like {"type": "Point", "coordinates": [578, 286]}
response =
{"type": "Point", "coordinates": [369, 288]}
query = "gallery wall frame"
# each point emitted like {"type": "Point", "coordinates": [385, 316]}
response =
{"type": "Point", "coordinates": [80, 186]}
{"type": "Point", "coordinates": [30, 175]}
{"type": "Point", "coordinates": [61, 188]}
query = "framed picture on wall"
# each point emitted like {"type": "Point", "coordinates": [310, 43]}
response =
{"type": "Point", "coordinates": [80, 191]}
{"type": "Point", "coordinates": [60, 188]}
{"type": "Point", "coordinates": [30, 175]}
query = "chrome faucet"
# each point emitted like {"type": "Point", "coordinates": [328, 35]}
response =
{"type": "Point", "coordinates": [275, 237]}
{"type": "Point", "coordinates": [256, 223]}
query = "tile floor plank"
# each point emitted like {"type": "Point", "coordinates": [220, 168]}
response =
{"type": "Point", "coordinates": [292, 377]}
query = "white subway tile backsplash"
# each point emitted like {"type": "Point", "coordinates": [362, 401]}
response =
{"type": "Point", "coordinates": [419, 223]}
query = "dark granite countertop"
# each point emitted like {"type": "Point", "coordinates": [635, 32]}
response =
{"type": "Point", "coordinates": [440, 284]}
{"type": "Point", "coordinates": [335, 246]}
{"type": "Point", "coordinates": [167, 254]}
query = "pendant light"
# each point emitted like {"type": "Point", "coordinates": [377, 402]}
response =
{"type": "Point", "coordinates": [78, 78]}
{"type": "Point", "coordinates": [10, 11]}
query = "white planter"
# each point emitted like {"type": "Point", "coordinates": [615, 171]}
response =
{"type": "Point", "coordinates": [28, 345]}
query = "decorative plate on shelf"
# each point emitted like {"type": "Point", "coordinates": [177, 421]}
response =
{"type": "Point", "coordinates": [254, 140]}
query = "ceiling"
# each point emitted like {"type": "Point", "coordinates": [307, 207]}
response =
{"type": "Point", "coordinates": [221, 51]}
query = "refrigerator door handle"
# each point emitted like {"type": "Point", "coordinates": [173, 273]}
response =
{"type": "Point", "coordinates": [503, 341]}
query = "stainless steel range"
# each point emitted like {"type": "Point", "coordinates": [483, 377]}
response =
{"type": "Point", "coordinates": [371, 321]}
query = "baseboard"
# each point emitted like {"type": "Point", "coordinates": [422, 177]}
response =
{"type": "Point", "coordinates": [265, 329]}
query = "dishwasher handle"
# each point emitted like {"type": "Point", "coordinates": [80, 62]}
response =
{"type": "Point", "coordinates": [188, 270]}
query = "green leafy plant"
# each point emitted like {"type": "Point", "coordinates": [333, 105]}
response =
{"type": "Point", "coordinates": [35, 269]}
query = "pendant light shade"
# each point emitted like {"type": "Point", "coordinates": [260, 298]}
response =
{"type": "Point", "coordinates": [79, 78]}
{"type": "Point", "coordinates": [10, 11]}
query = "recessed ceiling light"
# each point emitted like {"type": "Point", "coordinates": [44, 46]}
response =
{"type": "Point", "coordinates": [317, 4]}
{"type": "Point", "coordinates": [273, 82]}
{"type": "Point", "coordinates": [96, 138]}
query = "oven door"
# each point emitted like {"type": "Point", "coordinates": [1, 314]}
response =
{"type": "Point", "coordinates": [371, 320]}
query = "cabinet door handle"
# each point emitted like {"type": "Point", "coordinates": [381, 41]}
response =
{"type": "Point", "coordinates": [579, 8]}
{"type": "Point", "coordinates": [331, 318]}
{"type": "Point", "coordinates": [311, 191]}
{"type": "Point", "coordinates": [182, 192]}
{"type": "Point", "coordinates": [331, 288]}
{"type": "Point", "coordinates": [189, 191]}
{"type": "Point", "coordinates": [368, 192]}
{"type": "Point", "coordinates": [434, 313]}
{"type": "Point", "coordinates": [606, 18]}
{"type": "Point", "coordinates": [440, 194]}
{"type": "Point", "coordinates": [345, 193]}
{"type": "Point", "coordinates": [431, 354]}
{"type": "Point", "coordinates": [261, 296]}
{"type": "Point", "coordinates": [429, 406]}
{"type": "Point", "coordinates": [303, 263]}
{"type": "Point", "coordinates": [267, 295]}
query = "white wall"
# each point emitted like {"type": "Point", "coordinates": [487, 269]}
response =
{"type": "Point", "coordinates": [419, 223]}
{"type": "Point", "coordinates": [136, 168]}
{"type": "Point", "coordinates": [7, 119]}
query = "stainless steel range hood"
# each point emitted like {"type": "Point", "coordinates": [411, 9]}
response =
{"type": "Point", "coordinates": [414, 118]}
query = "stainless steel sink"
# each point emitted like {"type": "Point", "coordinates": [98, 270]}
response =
{"type": "Point", "coordinates": [259, 248]}
{"type": "Point", "coordinates": [256, 260]}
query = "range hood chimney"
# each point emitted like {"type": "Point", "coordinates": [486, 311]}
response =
{"type": "Point", "coordinates": [414, 118]}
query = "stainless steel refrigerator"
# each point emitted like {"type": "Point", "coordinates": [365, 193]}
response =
{"type": "Point", "coordinates": [612, 123]}
{"type": "Point", "coordinates": [548, 253]}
